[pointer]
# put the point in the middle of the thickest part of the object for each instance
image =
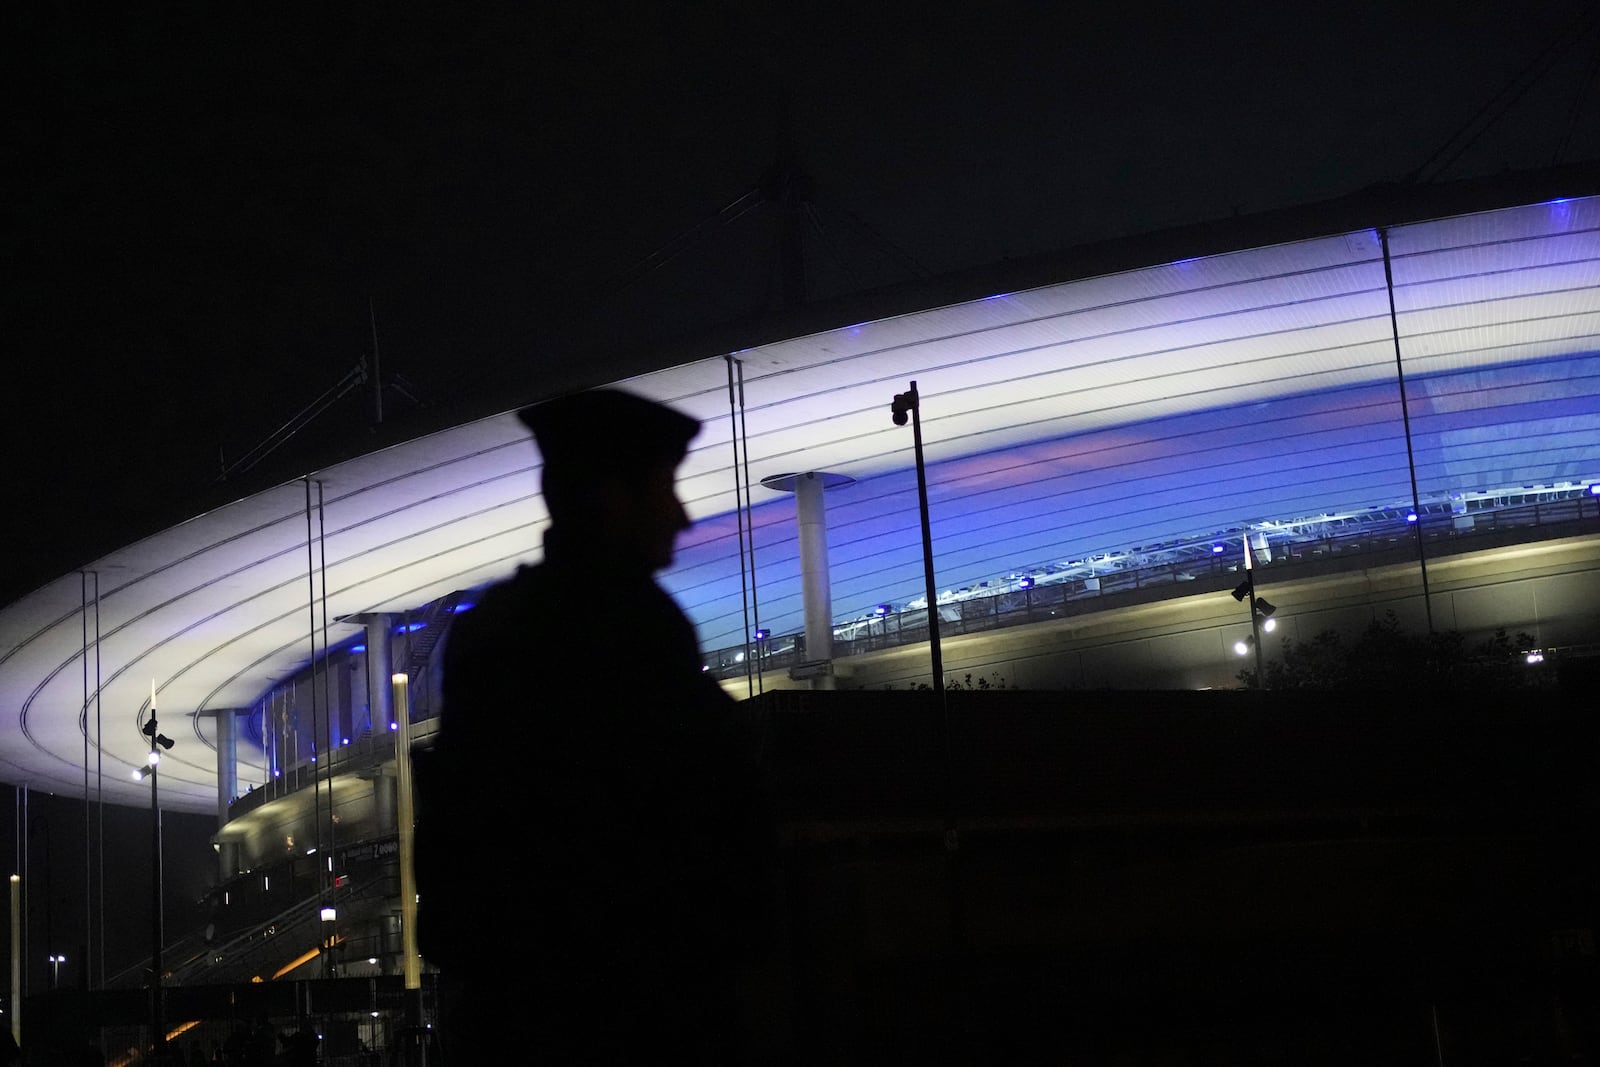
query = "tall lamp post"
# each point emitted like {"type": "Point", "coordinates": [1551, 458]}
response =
{"type": "Point", "coordinates": [910, 402]}
{"type": "Point", "coordinates": [1261, 611]}
{"type": "Point", "coordinates": [159, 742]}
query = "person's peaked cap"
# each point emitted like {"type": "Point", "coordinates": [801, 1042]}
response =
{"type": "Point", "coordinates": [607, 430]}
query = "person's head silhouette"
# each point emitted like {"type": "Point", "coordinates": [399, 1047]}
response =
{"type": "Point", "coordinates": [610, 462]}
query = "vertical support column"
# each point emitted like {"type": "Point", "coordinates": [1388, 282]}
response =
{"type": "Point", "coordinates": [340, 712]}
{"type": "Point", "coordinates": [16, 959]}
{"type": "Point", "coordinates": [380, 670]}
{"type": "Point", "coordinates": [384, 810]}
{"type": "Point", "coordinates": [815, 586]}
{"type": "Point", "coordinates": [227, 787]}
{"type": "Point", "coordinates": [412, 963]}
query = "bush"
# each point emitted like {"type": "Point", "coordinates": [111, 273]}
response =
{"type": "Point", "coordinates": [1385, 656]}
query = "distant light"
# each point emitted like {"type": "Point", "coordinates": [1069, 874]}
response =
{"type": "Point", "coordinates": [739, 658]}
{"type": "Point", "coordinates": [394, 726]}
{"type": "Point", "coordinates": [358, 648]}
{"type": "Point", "coordinates": [1024, 583]}
{"type": "Point", "coordinates": [1411, 517]}
{"type": "Point", "coordinates": [1594, 489]}
{"type": "Point", "coordinates": [1535, 657]}
{"type": "Point", "coordinates": [344, 741]}
{"type": "Point", "coordinates": [881, 609]}
{"type": "Point", "coordinates": [459, 608]}
{"type": "Point", "coordinates": [328, 914]}
{"type": "Point", "coordinates": [763, 634]}
{"type": "Point", "coordinates": [704, 667]}
{"type": "Point", "coordinates": [1217, 550]}
{"type": "Point", "coordinates": [411, 627]}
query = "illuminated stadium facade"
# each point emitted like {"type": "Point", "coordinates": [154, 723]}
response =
{"type": "Point", "coordinates": [1344, 395]}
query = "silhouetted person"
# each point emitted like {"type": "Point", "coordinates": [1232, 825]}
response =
{"type": "Point", "coordinates": [592, 860]}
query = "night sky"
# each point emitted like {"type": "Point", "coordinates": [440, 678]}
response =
{"type": "Point", "coordinates": [211, 203]}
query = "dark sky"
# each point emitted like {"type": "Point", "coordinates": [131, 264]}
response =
{"type": "Point", "coordinates": [208, 202]}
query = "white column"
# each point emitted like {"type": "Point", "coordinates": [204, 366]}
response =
{"type": "Point", "coordinates": [814, 583]}
{"type": "Point", "coordinates": [227, 786]}
{"type": "Point", "coordinates": [380, 671]}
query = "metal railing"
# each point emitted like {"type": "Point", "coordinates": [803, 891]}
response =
{"type": "Point", "coordinates": [1375, 538]}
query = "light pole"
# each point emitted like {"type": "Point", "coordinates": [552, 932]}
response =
{"type": "Point", "coordinates": [159, 742]}
{"type": "Point", "coordinates": [905, 402]}
{"type": "Point", "coordinates": [55, 970]}
{"type": "Point", "coordinates": [1261, 611]}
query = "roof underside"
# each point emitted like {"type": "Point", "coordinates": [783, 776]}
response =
{"type": "Point", "coordinates": [1133, 409]}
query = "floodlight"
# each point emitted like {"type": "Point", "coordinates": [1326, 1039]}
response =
{"type": "Point", "coordinates": [762, 634]}
{"type": "Point", "coordinates": [1411, 516]}
{"type": "Point", "coordinates": [1242, 590]}
{"type": "Point", "coordinates": [1265, 607]}
{"type": "Point", "coordinates": [1269, 625]}
{"type": "Point", "coordinates": [1242, 647]}
{"type": "Point", "coordinates": [1217, 550]}
{"type": "Point", "coordinates": [881, 609]}
{"type": "Point", "coordinates": [328, 914]}
{"type": "Point", "coordinates": [903, 403]}
{"type": "Point", "coordinates": [154, 758]}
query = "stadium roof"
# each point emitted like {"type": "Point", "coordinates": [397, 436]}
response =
{"type": "Point", "coordinates": [1161, 401]}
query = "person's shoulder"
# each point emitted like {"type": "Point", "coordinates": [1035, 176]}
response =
{"type": "Point", "coordinates": [502, 598]}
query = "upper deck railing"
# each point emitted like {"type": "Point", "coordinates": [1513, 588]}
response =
{"type": "Point", "coordinates": [1192, 566]}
